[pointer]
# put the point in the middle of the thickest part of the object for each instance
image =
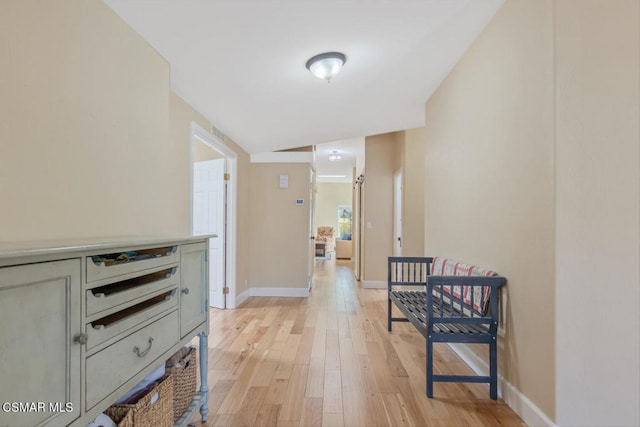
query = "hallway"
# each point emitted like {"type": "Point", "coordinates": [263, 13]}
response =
{"type": "Point", "coordinates": [329, 360]}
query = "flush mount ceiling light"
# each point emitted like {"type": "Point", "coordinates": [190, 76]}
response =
{"type": "Point", "coordinates": [334, 156]}
{"type": "Point", "coordinates": [326, 65]}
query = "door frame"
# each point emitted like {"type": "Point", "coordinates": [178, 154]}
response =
{"type": "Point", "coordinates": [231, 166]}
{"type": "Point", "coordinates": [312, 227]}
{"type": "Point", "coordinates": [398, 200]}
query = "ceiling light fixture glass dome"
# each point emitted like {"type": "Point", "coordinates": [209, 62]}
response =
{"type": "Point", "coordinates": [326, 65]}
{"type": "Point", "coordinates": [335, 156]}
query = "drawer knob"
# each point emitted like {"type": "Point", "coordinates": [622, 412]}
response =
{"type": "Point", "coordinates": [185, 291]}
{"type": "Point", "coordinates": [137, 351]}
{"type": "Point", "coordinates": [81, 339]}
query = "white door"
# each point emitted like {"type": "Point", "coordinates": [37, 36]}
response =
{"type": "Point", "coordinates": [208, 218]}
{"type": "Point", "coordinates": [397, 214]}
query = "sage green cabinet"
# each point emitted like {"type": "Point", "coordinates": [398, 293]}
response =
{"type": "Point", "coordinates": [193, 288]}
{"type": "Point", "coordinates": [81, 323]}
{"type": "Point", "coordinates": [39, 321]}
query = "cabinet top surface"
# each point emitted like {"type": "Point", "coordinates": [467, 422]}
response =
{"type": "Point", "coordinates": [54, 247]}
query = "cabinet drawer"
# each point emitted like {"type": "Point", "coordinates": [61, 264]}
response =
{"type": "Point", "coordinates": [110, 296]}
{"type": "Point", "coordinates": [110, 368]}
{"type": "Point", "coordinates": [104, 266]}
{"type": "Point", "coordinates": [108, 327]}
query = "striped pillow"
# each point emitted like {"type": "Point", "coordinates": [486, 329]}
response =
{"type": "Point", "coordinates": [448, 267]}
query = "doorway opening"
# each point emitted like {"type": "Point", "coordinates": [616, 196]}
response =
{"type": "Point", "coordinates": [213, 210]}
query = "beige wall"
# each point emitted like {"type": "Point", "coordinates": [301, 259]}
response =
{"type": "Point", "coordinates": [181, 115]}
{"type": "Point", "coordinates": [381, 153]}
{"type": "Point", "coordinates": [83, 140]}
{"type": "Point", "coordinates": [93, 140]}
{"type": "Point", "coordinates": [280, 231]}
{"type": "Point", "coordinates": [413, 192]}
{"type": "Point", "coordinates": [597, 212]}
{"type": "Point", "coordinates": [489, 182]}
{"type": "Point", "coordinates": [328, 198]}
{"type": "Point", "coordinates": [203, 152]}
{"type": "Point", "coordinates": [533, 169]}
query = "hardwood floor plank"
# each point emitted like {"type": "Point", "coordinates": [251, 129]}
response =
{"type": "Point", "coordinates": [298, 324]}
{"type": "Point", "coordinates": [412, 401]}
{"type": "Point", "coordinates": [332, 317]}
{"type": "Point", "coordinates": [218, 393]}
{"type": "Point", "coordinates": [247, 356]}
{"type": "Point", "coordinates": [357, 336]}
{"type": "Point", "coordinates": [267, 415]}
{"type": "Point", "coordinates": [396, 410]}
{"type": "Point", "coordinates": [332, 397]}
{"type": "Point", "coordinates": [266, 368]}
{"type": "Point", "coordinates": [285, 365]}
{"type": "Point", "coordinates": [353, 399]}
{"type": "Point", "coordinates": [277, 391]}
{"type": "Point", "coordinates": [315, 380]}
{"type": "Point", "coordinates": [268, 316]}
{"type": "Point", "coordinates": [250, 406]}
{"type": "Point", "coordinates": [380, 368]}
{"type": "Point", "coordinates": [294, 397]}
{"type": "Point", "coordinates": [332, 351]}
{"type": "Point", "coordinates": [393, 362]}
{"type": "Point", "coordinates": [329, 360]}
{"type": "Point", "coordinates": [312, 412]}
{"type": "Point", "coordinates": [303, 356]}
{"type": "Point", "coordinates": [232, 402]}
{"type": "Point", "coordinates": [344, 331]}
{"type": "Point", "coordinates": [332, 420]}
{"type": "Point", "coordinates": [367, 378]}
{"type": "Point", "coordinates": [224, 420]}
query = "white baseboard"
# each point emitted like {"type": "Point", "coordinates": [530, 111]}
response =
{"type": "Point", "coordinates": [521, 405]}
{"type": "Point", "coordinates": [242, 298]}
{"type": "Point", "coordinates": [374, 284]}
{"type": "Point", "coordinates": [279, 292]}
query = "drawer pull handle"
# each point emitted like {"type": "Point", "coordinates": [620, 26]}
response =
{"type": "Point", "coordinates": [81, 339]}
{"type": "Point", "coordinates": [137, 351]}
{"type": "Point", "coordinates": [185, 291]}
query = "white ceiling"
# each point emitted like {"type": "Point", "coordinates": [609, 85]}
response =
{"type": "Point", "coordinates": [352, 158]}
{"type": "Point", "coordinates": [242, 63]}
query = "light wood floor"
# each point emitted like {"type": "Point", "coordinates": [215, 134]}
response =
{"type": "Point", "coordinates": [328, 360]}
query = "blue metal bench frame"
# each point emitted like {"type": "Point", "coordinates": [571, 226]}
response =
{"type": "Point", "coordinates": [441, 317]}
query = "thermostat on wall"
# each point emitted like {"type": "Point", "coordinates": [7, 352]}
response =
{"type": "Point", "coordinates": [299, 202]}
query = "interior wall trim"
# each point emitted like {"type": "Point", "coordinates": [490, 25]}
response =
{"type": "Point", "coordinates": [374, 284]}
{"type": "Point", "coordinates": [521, 405]}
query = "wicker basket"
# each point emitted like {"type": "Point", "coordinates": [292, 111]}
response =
{"type": "Point", "coordinates": [144, 413]}
{"type": "Point", "coordinates": [183, 367]}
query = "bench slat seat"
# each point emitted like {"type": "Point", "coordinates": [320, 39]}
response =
{"type": "Point", "coordinates": [460, 308]}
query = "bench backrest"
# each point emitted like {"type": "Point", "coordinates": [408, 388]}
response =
{"type": "Point", "coordinates": [408, 271]}
{"type": "Point", "coordinates": [473, 299]}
